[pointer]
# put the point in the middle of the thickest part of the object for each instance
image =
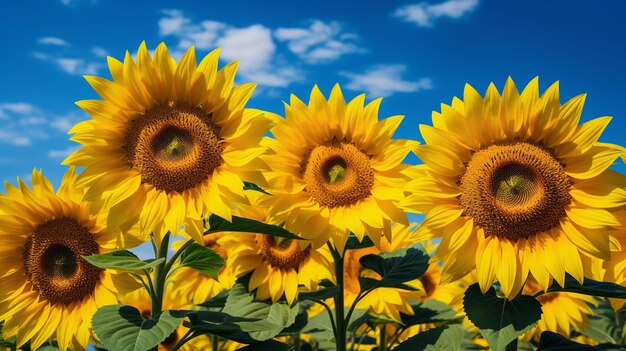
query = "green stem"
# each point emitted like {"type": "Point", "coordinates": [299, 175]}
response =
{"type": "Point", "coordinates": [216, 342]}
{"type": "Point", "coordinates": [382, 342]}
{"type": "Point", "coordinates": [339, 301]}
{"type": "Point", "coordinates": [512, 346]}
{"type": "Point", "coordinates": [330, 314]}
{"type": "Point", "coordinates": [183, 341]}
{"type": "Point", "coordinates": [160, 272]}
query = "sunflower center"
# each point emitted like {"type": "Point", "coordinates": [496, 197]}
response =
{"type": "Point", "coordinates": [338, 174]}
{"type": "Point", "coordinates": [54, 264]}
{"type": "Point", "coordinates": [174, 147]}
{"type": "Point", "coordinates": [281, 252]}
{"type": "Point", "coordinates": [515, 190]}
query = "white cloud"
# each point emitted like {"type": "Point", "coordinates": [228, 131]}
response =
{"type": "Point", "coordinates": [424, 14]}
{"type": "Point", "coordinates": [71, 64]}
{"type": "Point", "coordinates": [61, 154]}
{"type": "Point", "coordinates": [252, 46]}
{"type": "Point", "coordinates": [256, 46]}
{"type": "Point", "coordinates": [22, 123]}
{"type": "Point", "coordinates": [321, 42]}
{"type": "Point", "coordinates": [77, 66]}
{"type": "Point", "coordinates": [64, 123]}
{"type": "Point", "coordinates": [384, 80]}
{"type": "Point", "coordinates": [17, 139]}
{"type": "Point", "coordinates": [99, 52]}
{"type": "Point", "coordinates": [53, 41]}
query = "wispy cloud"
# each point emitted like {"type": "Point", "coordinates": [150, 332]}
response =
{"type": "Point", "coordinates": [424, 14]}
{"type": "Point", "coordinates": [61, 154]}
{"type": "Point", "coordinates": [320, 42]}
{"type": "Point", "coordinates": [260, 49]}
{"type": "Point", "coordinates": [99, 52]}
{"type": "Point", "coordinates": [22, 123]}
{"type": "Point", "coordinates": [53, 41]}
{"type": "Point", "coordinates": [252, 46]}
{"type": "Point", "coordinates": [69, 60]}
{"type": "Point", "coordinates": [384, 80]}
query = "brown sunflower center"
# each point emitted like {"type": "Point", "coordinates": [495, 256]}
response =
{"type": "Point", "coordinates": [338, 174]}
{"type": "Point", "coordinates": [54, 263]}
{"type": "Point", "coordinates": [174, 146]}
{"type": "Point", "coordinates": [515, 190]}
{"type": "Point", "coordinates": [281, 252]}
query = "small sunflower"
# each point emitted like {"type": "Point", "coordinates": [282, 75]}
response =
{"type": "Point", "coordinates": [169, 143]}
{"type": "Point", "coordinates": [513, 184]}
{"type": "Point", "coordinates": [336, 170]}
{"type": "Point", "coordinates": [141, 301]}
{"type": "Point", "coordinates": [389, 302]}
{"type": "Point", "coordinates": [48, 290]}
{"type": "Point", "coordinates": [278, 265]}
{"type": "Point", "coordinates": [560, 312]}
{"type": "Point", "coordinates": [196, 287]}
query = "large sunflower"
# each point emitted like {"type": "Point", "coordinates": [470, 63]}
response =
{"type": "Point", "coordinates": [278, 265]}
{"type": "Point", "coordinates": [512, 184]}
{"type": "Point", "coordinates": [169, 143]}
{"type": "Point", "coordinates": [48, 289]}
{"type": "Point", "coordinates": [336, 170]}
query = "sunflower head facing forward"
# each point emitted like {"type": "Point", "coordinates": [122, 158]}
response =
{"type": "Point", "coordinates": [49, 290]}
{"type": "Point", "coordinates": [169, 142]}
{"type": "Point", "coordinates": [335, 169]}
{"type": "Point", "coordinates": [513, 184]}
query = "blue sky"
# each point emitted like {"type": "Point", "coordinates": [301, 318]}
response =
{"type": "Point", "coordinates": [416, 54]}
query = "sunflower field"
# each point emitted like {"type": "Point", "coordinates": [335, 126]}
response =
{"type": "Point", "coordinates": [289, 231]}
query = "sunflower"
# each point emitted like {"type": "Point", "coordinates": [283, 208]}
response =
{"type": "Point", "coordinates": [389, 302]}
{"type": "Point", "coordinates": [512, 184]}
{"type": "Point", "coordinates": [196, 287]}
{"type": "Point", "coordinates": [336, 170]}
{"type": "Point", "coordinates": [561, 312]}
{"type": "Point", "coordinates": [49, 290]}
{"type": "Point", "coordinates": [278, 265]}
{"type": "Point", "coordinates": [169, 143]}
{"type": "Point", "coordinates": [141, 301]}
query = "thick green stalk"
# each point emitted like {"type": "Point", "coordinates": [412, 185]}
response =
{"type": "Point", "coordinates": [339, 301]}
{"type": "Point", "coordinates": [160, 273]}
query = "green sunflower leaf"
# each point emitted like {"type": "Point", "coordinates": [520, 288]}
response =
{"type": "Point", "coordinates": [395, 268]}
{"type": "Point", "coordinates": [499, 320]}
{"type": "Point", "coordinates": [320, 294]}
{"type": "Point", "coordinates": [122, 260]}
{"type": "Point", "coordinates": [123, 328]}
{"type": "Point", "coordinates": [353, 243]}
{"type": "Point", "coordinates": [550, 341]}
{"type": "Point", "coordinates": [448, 338]}
{"type": "Point", "coordinates": [603, 326]}
{"type": "Point", "coordinates": [269, 345]}
{"type": "Point", "coordinates": [272, 317]}
{"type": "Point", "coordinates": [202, 259]}
{"type": "Point", "coordinates": [218, 224]}
{"type": "Point", "coordinates": [429, 312]}
{"type": "Point", "coordinates": [590, 287]}
{"type": "Point", "coordinates": [254, 187]}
